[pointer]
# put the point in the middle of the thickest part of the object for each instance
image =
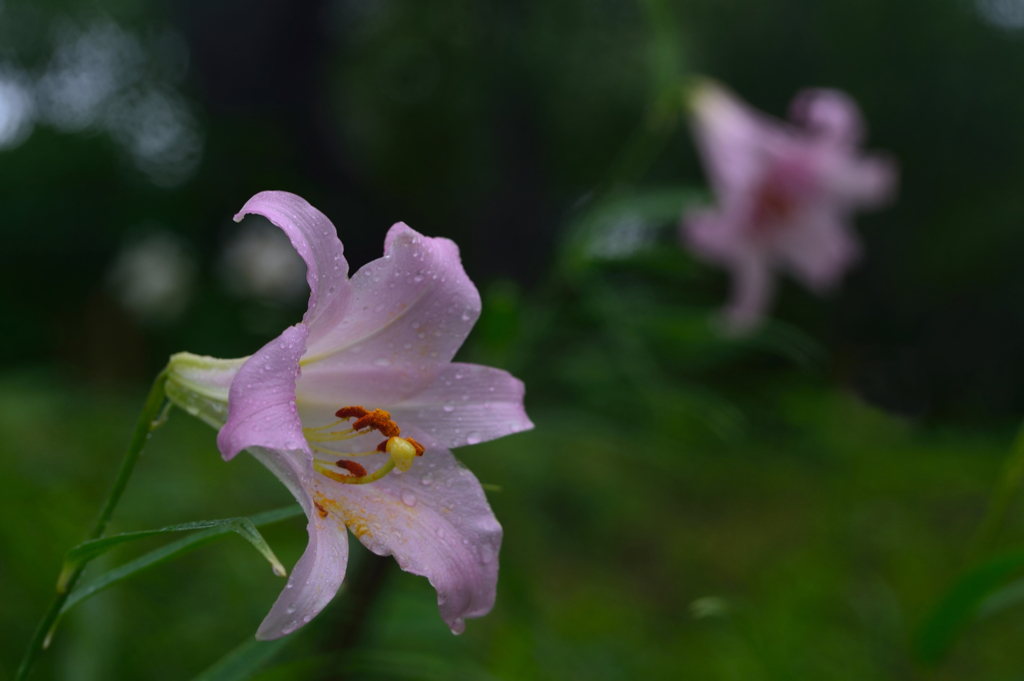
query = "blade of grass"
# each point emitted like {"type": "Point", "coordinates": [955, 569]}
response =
{"type": "Point", "coordinates": [87, 551]}
{"type": "Point", "coordinates": [961, 604]}
{"type": "Point", "coordinates": [170, 552]}
{"type": "Point", "coordinates": [245, 661]}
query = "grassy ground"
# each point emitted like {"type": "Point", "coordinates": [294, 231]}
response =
{"type": "Point", "coordinates": [810, 547]}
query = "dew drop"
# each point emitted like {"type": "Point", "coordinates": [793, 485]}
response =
{"type": "Point", "coordinates": [427, 480]}
{"type": "Point", "coordinates": [486, 554]}
{"type": "Point", "coordinates": [440, 533]}
{"type": "Point", "coordinates": [382, 361]}
{"type": "Point", "coordinates": [473, 438]}
{"type": "Point", "coordinates": [449, 408]}
{"type": "Point", "coordinates": [408, 498]}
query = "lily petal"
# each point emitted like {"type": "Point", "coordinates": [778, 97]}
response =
{"type": "Point", "coordinates": [751, 293]}
{"type": "Point", "coordinates": [733, 139]}
{"type": "Point", "coordinates": [316, 240]}
{"type": "Point", "coordinates": [317, 576]}
{"type": "Point", "coordinates": [465, 404]}
{"type": "Point", "coordinates": [818, 249]}
{"type": "Point", "coordinates": [435, 521]}
{"type": "Point", "coordinates": [410, 311]}
{"type": "Point", "coordinates": [829, 115]}
{"type": "Point", "coordinates": [261, 402]}
{"type": "Point", "coordinates": [867, 182]}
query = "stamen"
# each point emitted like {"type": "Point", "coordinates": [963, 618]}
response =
{"type": "Point", "coordinates": [402, 451]}
{"type": "Point", "coordinates": [346, 413]}
{"type": "Point", "coordinates": [330, 437]}
{"type": "Point", "coordinates": [352, 467]}
{"type": "Point", "coordinates": [332, 453]}
{"type": "Point", "coordinates": [378, 420]}
{"type": "Point", "coordinates": [329, 425]}
{"type": "Point", "coordinates": [355, 480]}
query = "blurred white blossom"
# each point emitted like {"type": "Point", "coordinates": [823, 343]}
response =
{"type": "Point", "coordinates": [153, 277]}
{"type": "Point", "coordinates": [1008, 14]}
{"type": "Point", "coordinates": [16, 109]}
{"type": "Point", "coordinates": [260, 262]}
{"type": "Point", "coordinates": [105, 78]}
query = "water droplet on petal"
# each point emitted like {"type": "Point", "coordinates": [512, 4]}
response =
{"type": "Point", "coordinates": [382, 361]}
{"type": "Point", "coordinates": [427, 480]}
{"type": "Point", "coordinates": [408, 498]}
{"type": "Point", "coordinates": [473, 438]}
{"type": "Point", "coordinates": [449, 408]}
{"type": "Point", "coordinates": [486, 554]}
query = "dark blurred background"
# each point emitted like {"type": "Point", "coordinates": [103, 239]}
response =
{"type": "Point", "coordinates": [808, 491]}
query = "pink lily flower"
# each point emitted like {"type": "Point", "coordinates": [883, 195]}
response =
{"type": "Point", "coordinates": [785, 192]}
{"type": "Point", "coordinates": [355, 409]}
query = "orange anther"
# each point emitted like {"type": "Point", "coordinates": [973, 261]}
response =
{"type": "Point", "coordinates": [350, 412]}
{"type": "Point", "coordinates": [352, 467]}
{"type": "Point", "coordinates": [417, 446]}
{"type": "Point", "coordinates": [379, 420]}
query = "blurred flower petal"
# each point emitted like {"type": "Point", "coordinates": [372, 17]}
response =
{"type": "Point", "coordinates": [785, 193]}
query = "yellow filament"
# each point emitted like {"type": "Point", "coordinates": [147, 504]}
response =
{"type": "Point", "coordinates": [331, 452]}
{"type": "Point", "coordinates": [329, 425]}
{"type": "Point", "coordinates": [331, 437]}
{"type": "Point", "coordinates": [351, 479]}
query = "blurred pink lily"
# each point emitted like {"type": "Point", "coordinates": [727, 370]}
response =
{"type": "Point", "coordinates": [355, 408]}
{"type": "Point", "coordinates": [785, 193]}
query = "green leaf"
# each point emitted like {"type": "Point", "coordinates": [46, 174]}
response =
{"type": "Point", "coordinates": [963, 603]}
{"type": "Point", "coordinates": [245, 661]}
{"type": "Point", "coordinates": [87, 551]}
{"type": "Point", "coordinates": [181, 547]}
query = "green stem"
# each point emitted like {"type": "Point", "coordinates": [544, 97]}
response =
{"type": "Point", "coordinates": [151, 417]}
